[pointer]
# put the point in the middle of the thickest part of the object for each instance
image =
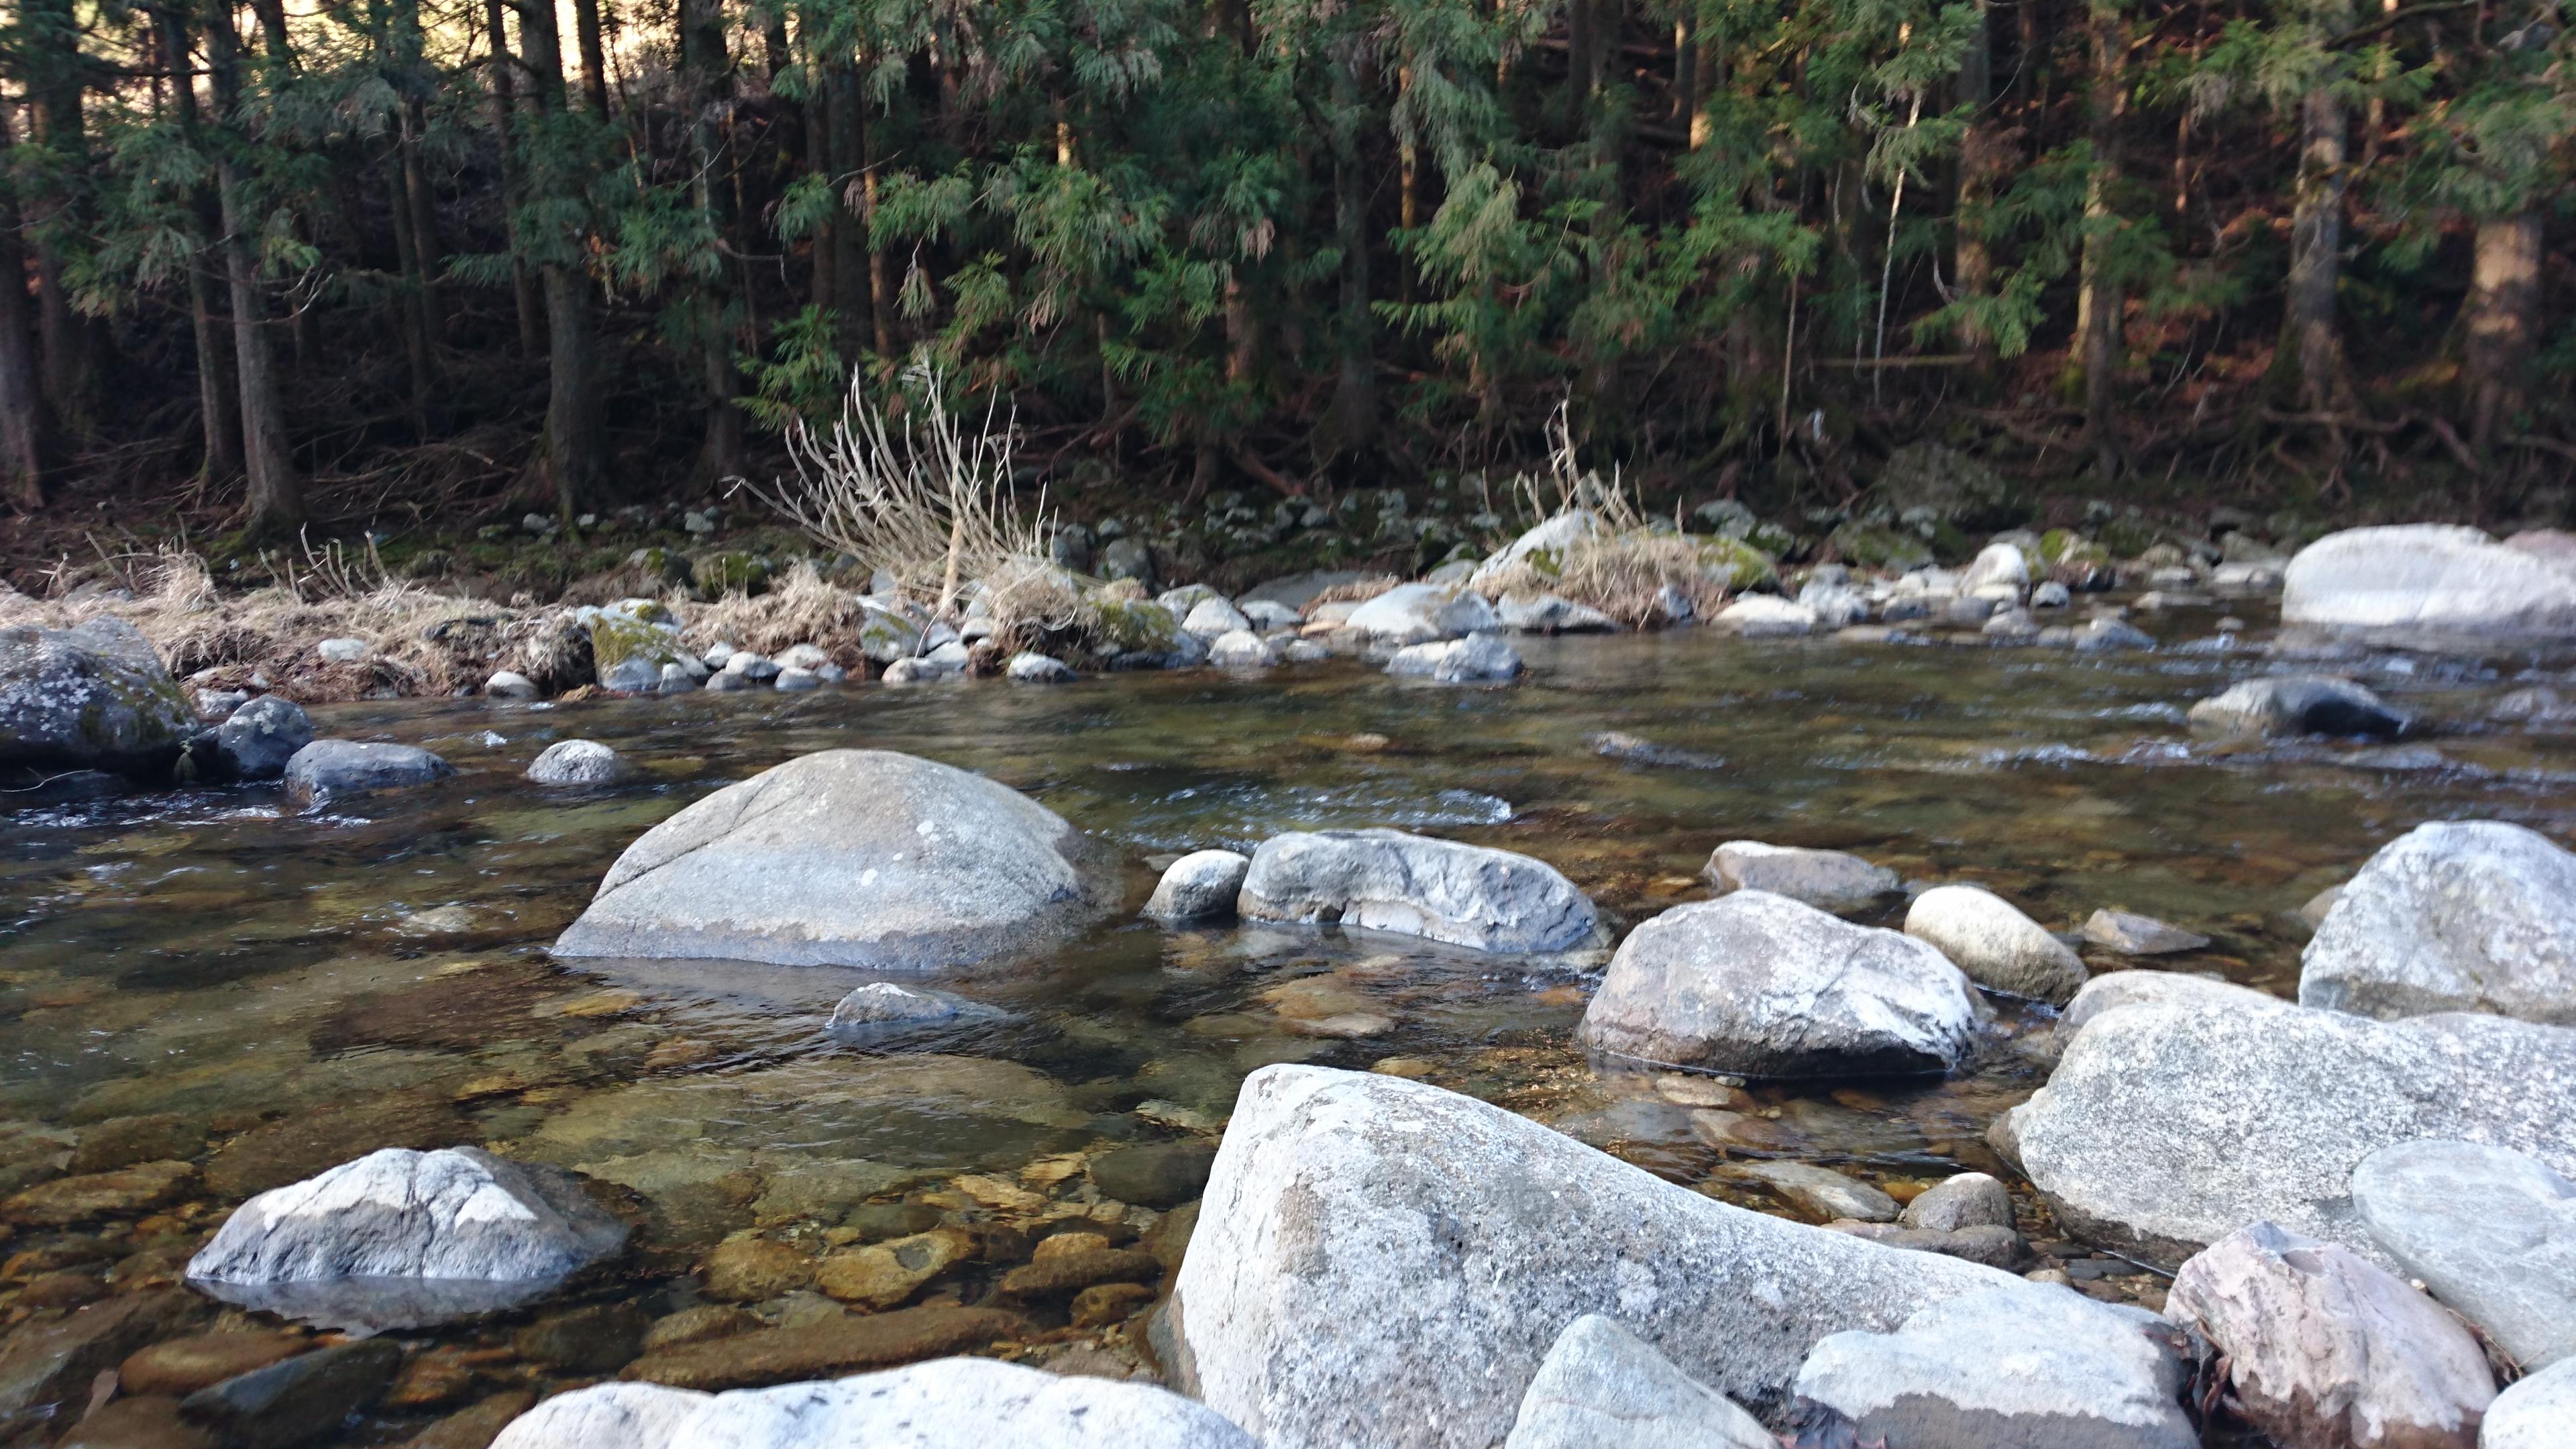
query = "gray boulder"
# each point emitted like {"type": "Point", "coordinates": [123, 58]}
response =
{"type": "Point", "coordinates": [1387, 880]}
{"type": "Point", "coordinates": [94, 696]}
{"type": "Point", "coordinates": [1212, 618]}
{"type": "Point", "coordinates": [1198, 886]}
{"type": "Point", "coordinates": [1128, 558]}
{"type": "Point", "coordinates": [578, 762]}
{"type": "Point", "coordinates": [883, 1005]}
{"type": "Point", "coordinates": [2427, 581]}
{"type": "Point", "coordinates": [2325, 1347]}
{"type": "Point", "coordinates": [511, 684]}
{"type": "Point", "coordinates": [1601, 1385]}
{"type": "Point", "coordinates": [1243, 649]}
{"type": "Point", "coordinates": [1551, 614]}
{"type": "Point", "coordinates": [1967, 1200]}
{"type": "Point", "coordinates": [1819, 1191]}
{"type": "Point", "coordinates": [2302, 704]}
{"type": "Point", "coordinates": [846, 858]}
{"type": "Point", "coordinates": [1032, 668]}
{"type": "Point", "coordinates": [2131, 934]}
{"type": "Point", "coordinates": [948, 1403]}
{"type": "Point", "coordinates": [1829, 880]}
{"type": "Point", "coordinates": [2473, 915]}
{"type": "Point", "coordinates": [1543, 548]}
{"type": "Point", "coordinates": [256, 740]}
{"type": "Point", "coordinates": [1381, 1262]}
{"type": "Point", "coordinates": [2533, 1414]}
{"type": "Point", "coordinates": [1759, 985]}
{"type": "Point", "coordinates": [398, 1238]}
{"type": "Point", "coordinates": [630, 643]}
{"type": "Point", "coordinates": [2490, 1231]}
{"type": "Point", "coordinates": [328, 769]}
{"type": "Point", "coordinates": [1765, 616]}
{"type": "Point", "coordinates": [1476, 659]}
{"type": "Point", "coordinates": [2131, 988]}
{"type": "Point", "coordinates": [1995, 944]}
{"type": "Point", "coordinates": [2018, 1367]}
{"type": "Point", "coordinates": [1422, 614]}
{"type": "Point", "coordinates": [2167, 1126]}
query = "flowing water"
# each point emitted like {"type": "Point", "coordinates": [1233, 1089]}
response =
{"type": "Point", "coordinates": [274, 992]}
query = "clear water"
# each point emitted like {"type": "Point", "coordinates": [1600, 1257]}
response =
{"type": "Point", "coordinates": [215, 955]}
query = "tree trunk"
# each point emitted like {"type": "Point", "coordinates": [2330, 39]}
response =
{"type": "Point", "coordinates": [54, 95]}
{"type": "Point", "coordinates": [2501, 321]}
{"type": "Point", "coordinates": [219, 426]}
{"type": "Point", "coordinates": [1982, 165]}
{"type": "Point", "coordinates": [423, 201]}
{"type": "Point", "coordinates": [855, 252]}
{"type": "Point", "coordinates": [276, 492]}
{"type": "Point", "coordinates": [1354, 394]}
{"type": "Point", "coordinates": [410, 321]}
{"type": "Point", "coordinates": [22, 401]}
{"type": "Point", "coordinates": [572, 403]}
{"type": "Point", "coordinates": [594, 58]}
{"type": "Point", "coordinates": [505, 129]}
{"type": "Point", "coordinates": [2308, 336]}
{"type": "Point", "coordinates": [826, 244]}
{"type": "Point", "coordinates": [702, 70]}
{"type": "Point", "coordinates": [2099, 302]}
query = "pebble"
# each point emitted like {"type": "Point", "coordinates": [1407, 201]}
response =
{"type": "Point", "coordinates": [1069, 1272]}
{"type": "Point", "coordinates": [748, 1270]}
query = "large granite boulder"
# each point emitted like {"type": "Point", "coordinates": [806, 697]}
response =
{"type": "Point", "coordinates": [1422, 614]}
{"type": "Point", "coordinates": [2324, 1347]}
{"type": "Point", "coordinates": [2535, 1413]}
{"type": "Point", "coordinates": [2169, 1125]}
{"type": "Point", "coordinates": [1542, 550]}
{"type": "Point", "coordinates": [1381, 1262]}
{"type": "Point", "coordinates": [846, 858]}
{"type": "Point", "coordinates": [92, 697]}
{"type": "Point", "coordinates": [398, 1238]}
{"type": "Point", "coordinates": [2142, 987]}
{"type": "Point", "coordinates": [2018, 1367]}
{"type": "Point", "coordinates": [1760, 985]}
{"type": "Point", "coordinates": [948, 1403]}
{"type": "Point", "coordinates": [2470, 915]}
{"type": "Point", "coordinates": [1601, 1385]}
{"type": "Point", "coordinates": [2428, 581]}
{"type": "Point", "coordinates": [1387, 880]}
{"type": "Point", "coordinates": [2491, 1232]}
{"type": "Point", "coordinates": [1997, 946]}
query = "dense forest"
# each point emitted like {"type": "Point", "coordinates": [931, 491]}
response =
{"type": "Point", "coordinates": [386, 256]}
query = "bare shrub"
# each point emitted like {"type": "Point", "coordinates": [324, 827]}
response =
{"type": "Point", "coordinates": [920, 497]}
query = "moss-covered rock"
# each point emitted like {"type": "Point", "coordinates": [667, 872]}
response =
{"type": "Point", "coordinates": [630, 641]}
{"type": "Point", "coordinates": [1735, 565]}
{"type": "Point", "coordinates": [1953, 487]}
{"type": "Point", "coordinates": [660, 564]}
{"type": "Point", "coordinates": [1880, 546]}
{"type": "Point", "coordinates": [2068, 552]}
{"type": "Point", "coordinates": [1133, 626]}
{"type": "Point", "coordinates": [731, 572]}
{"type": "Point", "coordinates": [888, 635]}
{"type": "Point", "coordinates": [2129, 536]}
{"type": "Point", "coordinates": [94, 696]}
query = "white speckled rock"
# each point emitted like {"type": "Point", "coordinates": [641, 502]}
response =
{"type": "Point", "coordinates": [1601, 1386]}
{"type": "Point", "coordinates": [1387, 880]}
{"type": "Point", "coordinates": [2167, 1126]}
{"type": "Point", "coordinates": [2471, 915]}
{"type": "Point", "coordinates": [846, 858]}
{"type": "Point", "coordinates": [2131, 988]}
{"type": "Point", "coordinates": [1760, 985]}
{"type": "Point", "coordinates": [1551, 614]}
{"type": "Point", "coordinates": [342, 651]}
{"type": "Point", "coordinates": [881, 1004]}
{"type": "Point", "coordinates": [2492, 1232]}
{"type": "Point", "coordinates": [1820, 1191]}
{"type": "Point", "coordinates": [2427, 581]}
{"type": "Point", "coordinates": [1485, 1235]}
{"type": "Point", "coordinates": [1829, 880]}
{"type": "Point", "coordinates": [94, 696]}
{"type": "Point", "coordinates": [949, 1403]}
{"type": "Point", "coordinates": [258, 739]}
{"type": "Point", "coordinates": [1199, 885]}
{"type": "Point", "coordinates": [578, 762]}
{"type": "Point", "coordinates": [2023, 1367]}
{"type": "Point", "coordinates": [1243, 649]}
{"type": "Point", "coordinates": [326, 769]}
{"type": "Point", "coordinates": [1421, 614]}
{"type": "Point", "coordinates": [1765, 616]}
{"type": "Point", "coordinates": [1213, 618]}
{"type": "Point", "coordinates": [1997, 564]}
{"type": "Point", "coordinates": [2325, 1347]}
{"type": "Point", "coordinates": [1476, 659]}
{"type": "Point", "coordinates": [2535, 1413]}
{"type": "Point", "coordinates": [743, 664]}
{"type": "Point", "coordinates": [1996, 945]}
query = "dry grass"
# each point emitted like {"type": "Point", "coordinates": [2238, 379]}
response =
{"type": "Point", "coordinates": [799, 608]}
{"type": "Point", "coordinates": [1357, 591]}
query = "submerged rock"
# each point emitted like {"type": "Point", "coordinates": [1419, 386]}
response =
{"type": "Point", "coordinates": [2135, 935]}
{"type": "Point", "coordinates": [578, 762]}
{"type": "Point", "coordinates": [2324, 1347]}
{"type": "Point", "coordinates": [1821, 1191]}
{"type": "Point", "coordinates": [299, 1399]}
{"type": "Point", "coordinates": [1760, 985]}
{"type": "Point", "coordinates": [328, 769]}
{"type": "Point", "coordinates": [1422, 614]}
{"type": "Point", "coordinates": [1994, 943]}
{"type": "Point", "coordinates": [1199, 886]}
{"type": "Point", "coordinates": [2167, 1126]}
{"type": "Point", "coordinates": [1486, 1234]}
{"type": "Point", "coordinates": [2427, 580]}
{"type": "Point", "coordinates": [94, 696]}
{"type": "Point", "coordinates": [848, 858]}
{"type": "Point", "coordinates": [1476, 659]}
{"type": "Point", "coordinates": [1829, 880]}
{"type": "Point", "coordinates": [399, 1238]}
{"type": "Point", "coordinates": [888, 1004]}
{"type": "Point", "coordinates": [2023, 1365]}
{"type": "Point", "coordinates": [1601, 1385]}
{"type": "Point", "coordinates": [2471, 915]}
{"type": "Point", "coordinates": [55, 1362]}
{"type": "Point", "coordinates": [257, 740]}
{"type": "Point", "coordinates": [949, 1403]}
{"type": "Point", "coordinates": [1415, 885]}
{"type": "Point", "coordinates": [2301, 704]}
{"type": "Point", "coordinates": [2490, 1231]}
{"type": "Point", "coordinates": [1635, 750]}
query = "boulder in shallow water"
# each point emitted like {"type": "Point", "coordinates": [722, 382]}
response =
{"type": "Point", "coordinates": [1243, 649]}
{"type": "Point", "coordinates": [1213, 618]}
{"type": "Point", "coordinates": [1199, 886]}
{"type": "Point", "coordinates": [2296, 704]}
{"type": "Point", "coordinates": [2467, 915]}
{"type": "Point", "coordinates": [94, 696]}
{"type": "Point", "coordinates": [2428, 582]}
{"type": "Point", "coordinates": [578, 762]}
{"type": "Point", "coordinates": [1476, 659]}
{"type": "Point", "coordinates": [1381, 1262]}
{"type": "Point", "coordinates": [2134, 988]}
{"type": "Point", "coordinates": [1601, 1385]}
{"type": "Point", "coordinates": [949, 1403]}
{"type": "Point", "coordinates": [848, 858]}
{"type": "Point", "coordinates": [2490, 1231]}
{"type": "Point", "coordinates": [2324, 1347]}
{"type": "Point", "coordinates": [1387, 880]}
{"type": "Point", "coordinates": [2131, 934]}
{"type": "Point", "coordinates": [1551, 614]}
{"type": "Point", "coordinates": [1997, 946]}
{"type": "Point", "coordinates": [1421, 614]}
{"type": "Point", "coordinates": [256, 740]}
{"type": "Point", "coordinates": [2021, 1367]}
{"type": "Point", "coordinates": [399, 1238]}
{"type": "Point", "coordinates": [2533, 1414]}
{"type": "Point", "coordinates": [329, 769]}
{"type": "Point", "coordinates": [1759, 985]}
{"type": "Point", "coordinates": [1033, 668]}
{"type": "Point", "coordinates": [1829, 880]}
{"type": "Point", "coordinates": [1765, 616]}
{"type": "Point", "coordinates": [881, 1006]}
{"type": "Point", "coordinates": [2167, 1126]}
{"type": "Point", "coordinates": [1966, 1200]}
